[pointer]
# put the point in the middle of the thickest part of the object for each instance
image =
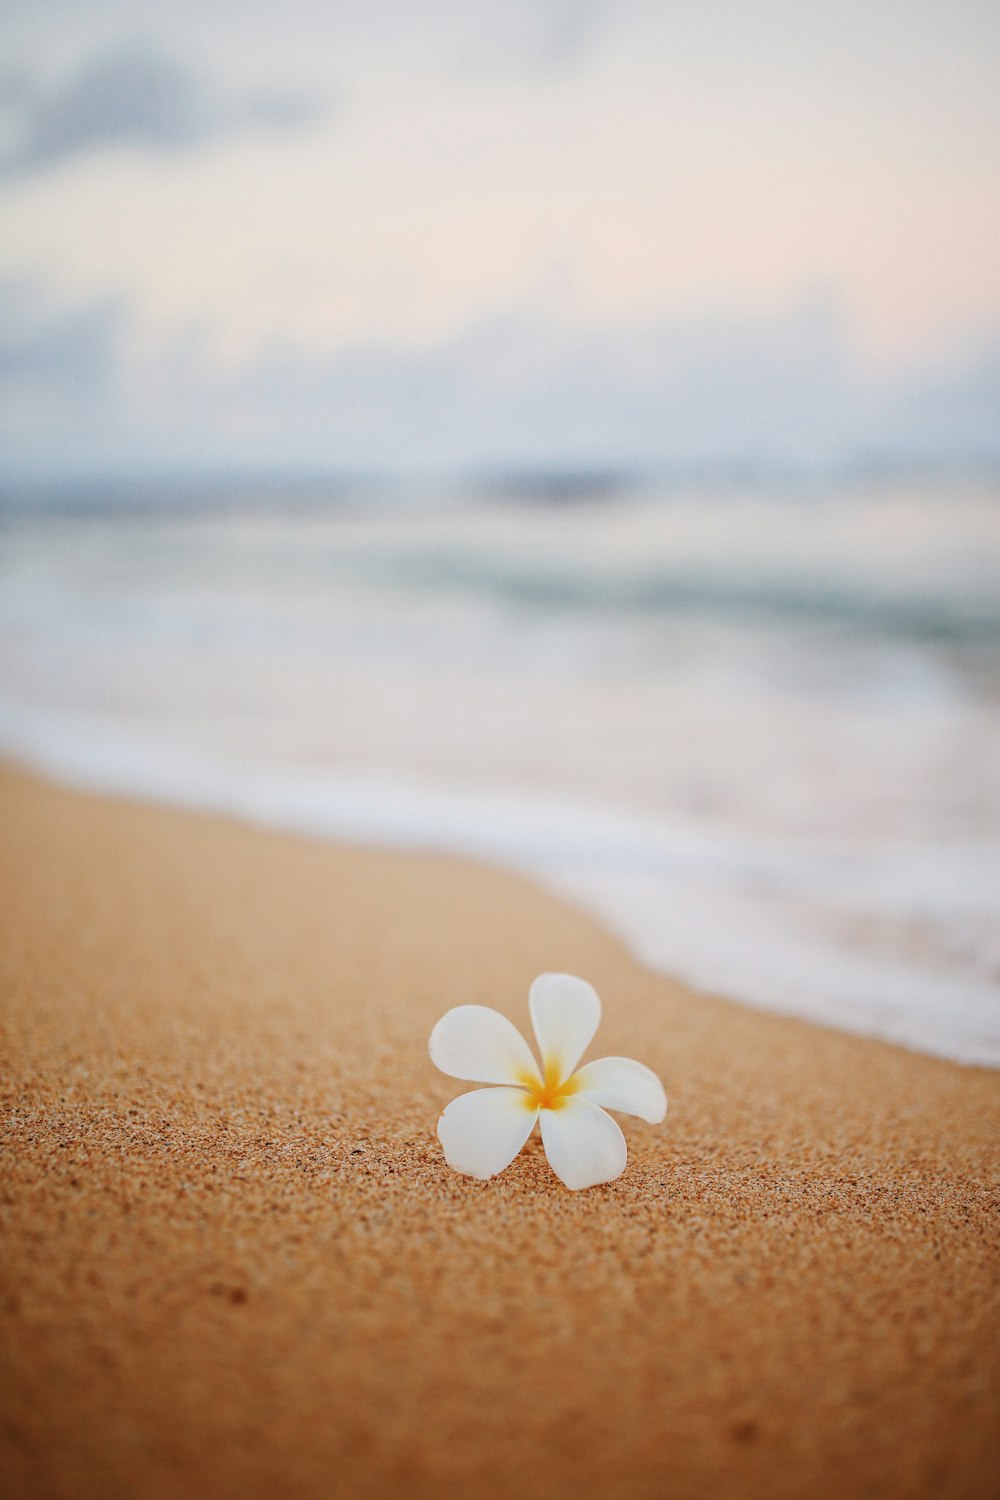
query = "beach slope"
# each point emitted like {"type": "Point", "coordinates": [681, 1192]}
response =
{"type": "Point", "coordinates": [235, 1265]}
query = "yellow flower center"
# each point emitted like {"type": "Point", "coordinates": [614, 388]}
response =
{"type": "Point", "coordinates": [550, 1092]}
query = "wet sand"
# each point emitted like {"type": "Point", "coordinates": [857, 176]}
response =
{"type": "Point", "coordinates": [235, 1264]}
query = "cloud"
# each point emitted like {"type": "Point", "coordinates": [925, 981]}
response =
{"type": "Point", "coordinates": [138, 98]}
{"type": "Point", "coordinates": [63, 405]}
{"type": "Point", "coordinates": [527, 38]}
{"type": "Point", "coordinates": [71, 352]}
{"type": "Point", "coordinates": [520, 390]}
{"type": "Point", "coordinates": [514, 392]}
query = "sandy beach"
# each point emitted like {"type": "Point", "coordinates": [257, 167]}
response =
{"type": "Point", "coordinates": [235, 1263]}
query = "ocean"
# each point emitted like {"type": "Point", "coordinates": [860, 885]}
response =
{"type": "Point", "coordinates": [754, 729]}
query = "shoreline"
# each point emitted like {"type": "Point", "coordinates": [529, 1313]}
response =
{"type": "Point", "coordinates": [823, 936]}
{"type": "Point", "coordinates": [237, 1264]}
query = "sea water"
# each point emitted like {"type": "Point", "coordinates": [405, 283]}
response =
{"type": "Point", "coordinates": [756, 732]}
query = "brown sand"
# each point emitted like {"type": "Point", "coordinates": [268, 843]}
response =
{"type": "Point", "coordinates": [235, 1264]}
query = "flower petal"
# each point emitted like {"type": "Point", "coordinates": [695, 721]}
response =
{"type": "Point", "coordinates": [477, 1043]}
{"type": "Point", "coordinates": [565, 1013]}
{"type": "Point", "coordinates": [624, 1085]}
{"type": "Point", "coordinates": [583, 1144]}
{"type": "Point", "coordinates": [483, 1131]}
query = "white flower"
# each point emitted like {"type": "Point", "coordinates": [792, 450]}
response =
{"type": "Point", "coordinates": [483, 1131]}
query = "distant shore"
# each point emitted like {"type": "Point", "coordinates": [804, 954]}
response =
{"type": "Point", "coordinates": [235, 1263]}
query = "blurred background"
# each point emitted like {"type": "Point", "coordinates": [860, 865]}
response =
{"type": "Point", "coordinates": [565, 432]}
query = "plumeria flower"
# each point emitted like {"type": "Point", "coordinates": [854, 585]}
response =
{"type": "Point", "coordinates": [483, 1131]}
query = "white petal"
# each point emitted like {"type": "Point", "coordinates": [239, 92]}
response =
{"type": "Point", "coordinates": [621, 1084]}
{"type": "Point", "coordinates": [483, 1131]}
{"type": "Point", "coordinates": [481, 1045]}
{"type": "Point", "coordinates": [583, 1144]}
{"type": "Point", "coordinates": [565, 1013]}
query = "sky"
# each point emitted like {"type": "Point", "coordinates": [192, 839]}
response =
{"type": "Point", "coordinates": [564, 233]}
